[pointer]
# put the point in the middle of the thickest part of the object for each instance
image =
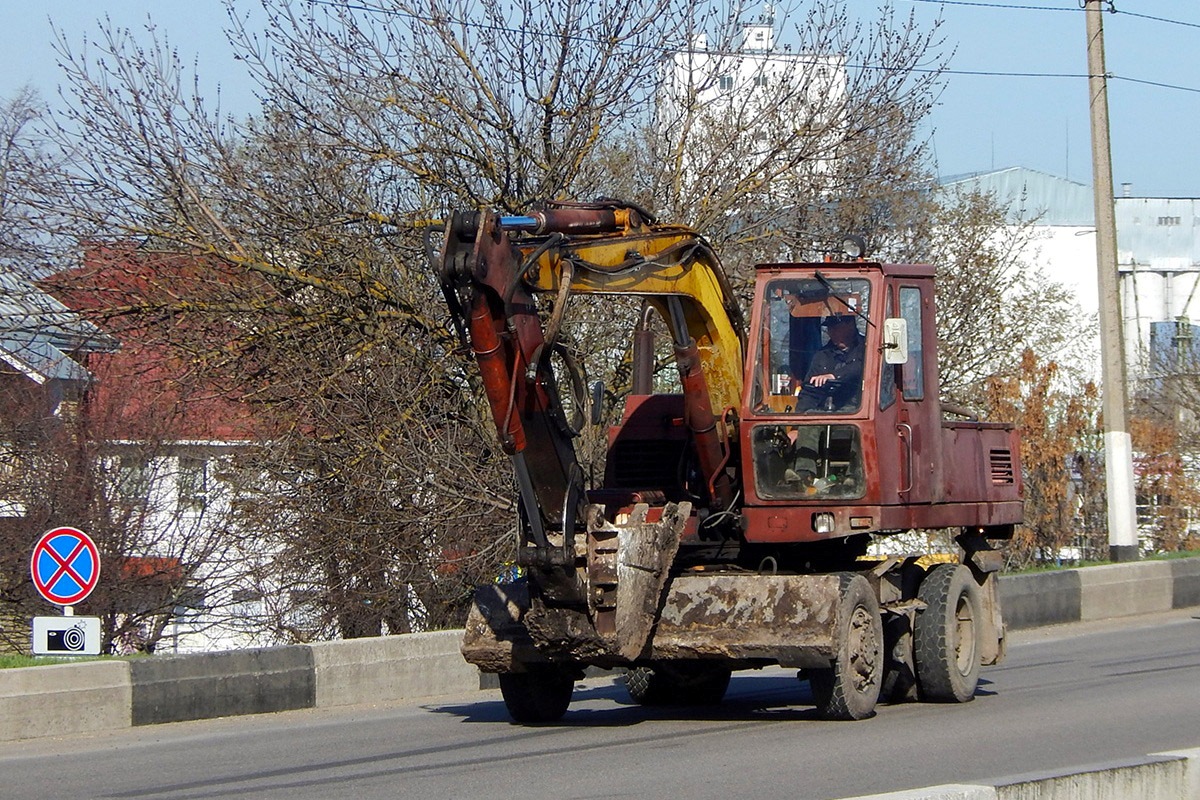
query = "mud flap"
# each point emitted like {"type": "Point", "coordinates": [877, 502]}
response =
{"type": "Point", "coordinates": [994, 645]}
{"type": "Point", "coordinates": [985, 563]}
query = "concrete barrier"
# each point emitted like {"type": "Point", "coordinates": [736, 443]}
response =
{"type": "Point", "coordinates": [1192, 758]}
{"type": "Point", "coordinates": [64, 698]}
{"type": "Point", "coordinates": [1120, 590]}
{"type": "Point", "coordinates": [1185, 577]}
{"type": "Point", "coordinates": [1040, 598]}
{"type": "Point", "coordinates": [1149, 778]}
{"type": "Point", "coordinates": [391, 668]}
{"type": "Point", "coordinates": [178, 688]}
{"type": "Point", "coordinates": [950, 791]}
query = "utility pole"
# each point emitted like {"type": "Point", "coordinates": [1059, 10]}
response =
{"type": "Point", "coordinates": [1118, 445]}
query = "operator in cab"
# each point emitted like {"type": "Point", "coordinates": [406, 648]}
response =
{"type": "Point", "coordinates": [833, 381]}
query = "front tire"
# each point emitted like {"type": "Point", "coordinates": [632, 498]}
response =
{"type": "Point", "coordinates": [849, 689]}
{"type": "Point", "coordinates": [947, 635]}
{"type": "Point", "coordinates": [540, 694]}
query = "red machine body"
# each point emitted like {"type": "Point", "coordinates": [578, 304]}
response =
{"type": "Point", "coordinates": [732, 525]}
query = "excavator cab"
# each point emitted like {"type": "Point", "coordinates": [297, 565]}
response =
{"type": "Point", "coordinates": [808, 367]}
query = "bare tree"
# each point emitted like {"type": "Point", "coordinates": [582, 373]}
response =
{"type": "Point", "coordinates": [824, 142]}
{"type": "Point", "coordinates": [24, 163]}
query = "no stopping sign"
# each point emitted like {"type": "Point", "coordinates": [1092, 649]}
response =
{"type": "Point", "coordinates": [65, 566]}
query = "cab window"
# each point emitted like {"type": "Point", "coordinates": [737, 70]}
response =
{"type": "Point", "coordinates": [807, 462]}
{"type": "Point", "coordinates": [914, 372]}
{"type": "Point", "coordinates": [813, 347]}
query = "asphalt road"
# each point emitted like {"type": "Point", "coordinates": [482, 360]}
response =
{"type": "Point", "coordinates": [1066, 697]}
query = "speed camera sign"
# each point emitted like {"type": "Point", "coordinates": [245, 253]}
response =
{"type": "Point", "coordinates": [66, 636]}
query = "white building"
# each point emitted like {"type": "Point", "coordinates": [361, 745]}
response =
{"type": "Point", "coordinates": [732, 103]}
{"type": "Point", "coordinates": [1158, 257]}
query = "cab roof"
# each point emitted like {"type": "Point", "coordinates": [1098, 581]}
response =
{"type": "Point", "coordinates": [889, 270]}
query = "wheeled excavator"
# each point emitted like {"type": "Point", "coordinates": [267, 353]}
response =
{"type": "Point", "coordinates": [732, 525]}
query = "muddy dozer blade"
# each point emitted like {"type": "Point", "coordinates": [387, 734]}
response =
{"type": "Point", "coordinates": [788, 619]}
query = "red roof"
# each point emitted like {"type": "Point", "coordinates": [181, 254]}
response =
{"type": "Point", "coordinates": [153, 387]}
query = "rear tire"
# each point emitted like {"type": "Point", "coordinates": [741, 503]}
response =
{"type": "Point", "coordinates": [541, 694]}
{"type": "Point", "coordinates": [683, 683]}
{"type": "Point", "coordinates": [947, 635]}
{"type": "Point", "coordinates": [849, 689]}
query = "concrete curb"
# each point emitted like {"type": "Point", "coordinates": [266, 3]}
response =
{"type": "Point", "coordinates": [1158, 776]}
{"type": "Point", "coordinates": [97, 696]}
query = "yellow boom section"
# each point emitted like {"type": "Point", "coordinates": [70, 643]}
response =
{"type": "Point", "coordinates": [659, 262]}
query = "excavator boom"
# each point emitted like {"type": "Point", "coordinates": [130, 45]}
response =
{"type": "Point", "coordinates": [493, 267]}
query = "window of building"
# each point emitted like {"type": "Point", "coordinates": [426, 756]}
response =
{"type": "Point", "coordinates": [247, 596]}
{"type": "Point", "coordinates": [193, 483]}
{"type": "Point", "coordinates": [760, 79]}
{"type": "Point", "coordinates": [1168, 221]}
{"type": "Point", "coordinates": [725, 82]}
{"type": "Point", "coordinates": [133, 477]}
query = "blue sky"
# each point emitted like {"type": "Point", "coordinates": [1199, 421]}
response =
{"type": "Point", "coordinates": [982, 121]}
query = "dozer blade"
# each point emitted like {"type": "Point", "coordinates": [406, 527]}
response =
{"type": "Point", "coordinates": [787, 619]}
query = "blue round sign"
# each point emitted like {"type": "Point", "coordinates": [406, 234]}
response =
{"type": "Point", "coordinates": [65, 566]}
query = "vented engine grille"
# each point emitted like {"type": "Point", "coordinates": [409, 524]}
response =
{"type": "Point", "coordinates": [1001, 463]}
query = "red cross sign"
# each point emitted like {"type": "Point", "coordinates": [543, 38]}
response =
{"type": "Point", "coordinates": [65, 566]}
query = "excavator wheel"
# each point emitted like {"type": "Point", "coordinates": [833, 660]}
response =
{"type": "Point", "coordinates": [849, 689]}
{"type": "Point", "coordinates": [540, 694]}
{"type": "Point", "coordinates": [946, 636]}
{"type": "Point", "coordinates": [677, 684]}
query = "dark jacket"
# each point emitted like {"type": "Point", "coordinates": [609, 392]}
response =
{"type": "Point", "coordinates": [846, 366]}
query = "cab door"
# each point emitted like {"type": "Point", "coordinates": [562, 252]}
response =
{"type": "Point", "coordinates": [907, 421]}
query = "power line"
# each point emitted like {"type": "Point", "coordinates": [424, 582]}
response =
{"type": "Point", "coordinates": [1157, 19]}
{"type": "Point", "coordinates": [1020, 7]}
{"type": "Point", "coordinates": [976, 4]}
{"type": "Point", "coordinates": [1075, 75]}
{"type": "Point", "coordinates": [1154, 83]}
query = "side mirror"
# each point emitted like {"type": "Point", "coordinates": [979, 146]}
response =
{"type": "Point", "coordinates": [895, 340]}
{"type": "Point", "coordinates": [597, 402]}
